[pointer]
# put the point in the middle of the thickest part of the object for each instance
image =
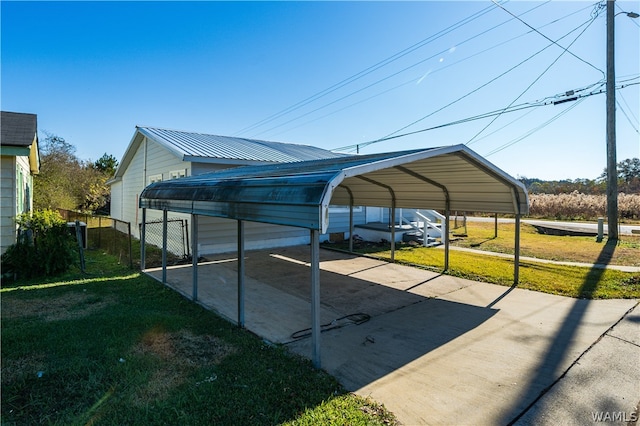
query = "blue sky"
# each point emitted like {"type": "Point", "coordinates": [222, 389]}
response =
{"type": "Point", "coordinates": [330, 74]}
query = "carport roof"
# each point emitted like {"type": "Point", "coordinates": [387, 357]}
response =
{"type": "Point", "coordinates": [299, 194]}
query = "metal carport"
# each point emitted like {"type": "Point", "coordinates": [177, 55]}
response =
{"type": "Point", "coordinates": [299, 194]}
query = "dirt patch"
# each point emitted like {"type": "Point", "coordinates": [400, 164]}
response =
{"type": "Point", "coordinates": [69, 306]}
{"type": "Point", "coordinates": [185, 347]}
{"type": "Point", "coordinates": [16, 369]}
{"type": "Point", "coordinates": [180, 354]}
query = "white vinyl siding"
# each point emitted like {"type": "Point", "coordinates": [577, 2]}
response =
{"type": "Point", "coordinates": [215, 235]}
{"type": "Point", "coordinates": [116, 200]}
{"type": "Point", "coordinates": [339, 219]}
{"type": "Point", "coordinates": [132, 184]}
{"type": "Point", "coordinates": [7, 201]}
{"type": "Point", "coordinates": [200, 168]}
{"type": "Point", "coordinates": [218, 235]}
{"type": "Point", "coordinates": [17, 195]}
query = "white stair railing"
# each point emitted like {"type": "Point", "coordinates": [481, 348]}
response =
{"type": "Point", "coordinates": [429, 223]}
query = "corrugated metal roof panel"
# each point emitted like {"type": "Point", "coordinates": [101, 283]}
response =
{"type": "Point", "coordinates": [298, 194]}
{"type": "Point", "coordinates": [191, 144]}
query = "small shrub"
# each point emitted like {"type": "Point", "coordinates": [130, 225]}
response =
{"type": "Point", "coordinates": [44, 246]}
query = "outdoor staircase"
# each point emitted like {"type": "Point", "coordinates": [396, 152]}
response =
{"type": "Point", "coordinates": [426, 227]}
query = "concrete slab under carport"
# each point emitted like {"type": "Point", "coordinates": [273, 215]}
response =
{"type": "Point", "coordinates": [278, 289]}
{"type": "Point", "coordinates": [437, 350]}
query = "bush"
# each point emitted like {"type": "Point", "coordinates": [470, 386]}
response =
{"type": "Point", "coordinates": [44, 246]}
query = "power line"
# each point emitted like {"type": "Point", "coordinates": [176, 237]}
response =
{"type": "Point", "coordinates": [537, 78]}
{"type": "Point", "coordinates": [633, 21]}
{"type": "Point", "coordinates": [628, 119]}
{"type": "Point", "coordinates": [535, 129]}
{"type": "Point", "coordinates": [440, 126]}
{"type": "Point", "coordinates": [565, 49]}
{"type": "Point", "coordinates": [630, 109]}
{"type": "Point", "coordinates": [260, 134]}
{"type": "Point", "coordinates": [370, 69]}
{"type": "Point", "coordinates": [413, 79]}
{"type": "Point", "coordinates": [415, 64]}
{"type": "Point", "coordinates": [480, 87]}
{"type": "Point", "coordinates": [506, 125]}
{"type": "Point", "coordinates": [515, 108]}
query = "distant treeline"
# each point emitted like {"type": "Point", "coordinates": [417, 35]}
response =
{"type": "Point", "coordinates": [628, 182]}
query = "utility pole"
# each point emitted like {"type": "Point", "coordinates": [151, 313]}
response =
{"type": "Point", "coordinates": [612, 170]}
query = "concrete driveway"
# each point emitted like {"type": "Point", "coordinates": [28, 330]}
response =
{"type": "Point", "coordinates": [438, 349]}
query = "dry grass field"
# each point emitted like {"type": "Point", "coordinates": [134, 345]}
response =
{"type": "Point", "coordinates": [578, 206]}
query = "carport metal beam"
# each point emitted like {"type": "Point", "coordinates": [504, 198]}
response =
{"type": "Point", "coordinates": [447, 201]}
{"type": "Point", "coordinates": [194, 252]}
{"type": "Point", "coordinates": [164, 246]}
{"type": "Point", "coordinates": [516, 260]}
{"type": "Point", "coordinates": [350, 216]}
{"type": "Point", "coordinates": [143, 239]}
{"type": "Point", "coordinates": [315, 297]}
{"type": "Point", "coordinates": [393, 211]}
{"type": "Point", "coordinates": [241, 273]}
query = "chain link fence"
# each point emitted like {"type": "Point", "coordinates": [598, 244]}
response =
{"type": "Point", "coordinates": [177, 236]}
{"type": "Point", "coordinates": [104, 233]}
{"type": "Point", "coordinates": [114, 237]}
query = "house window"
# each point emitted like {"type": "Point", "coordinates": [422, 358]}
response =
{"type": "Point", "coordinates": [19, 191]}
{"type": "Point", "coordinates": [155, 178]}
{"type": "Point", "coordinates": [176, 174]}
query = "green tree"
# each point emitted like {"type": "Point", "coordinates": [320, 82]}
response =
{"type": "Point", "coordinates": [106, 164]}
{"type": "Point", "coordinates": [628, 175]}
{"type": "Point", "coordinates": [56, 186]}
{"type": "Point", "coordinates": [69, 183]}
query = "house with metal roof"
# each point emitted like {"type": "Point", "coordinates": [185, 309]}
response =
{"type": "Point", "coordinates": [20, 160]}
{"type": "Point", "coordinates": [159, 155]}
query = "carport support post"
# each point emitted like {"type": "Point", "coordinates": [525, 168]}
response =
{"type": "Point", "coordinates": [516, 261]}
{"type": "Point", "coordinates": [446, 239]}
{"type": "Point", "coordinates": [143, 238]}
{"type": "Point", "coordinates": [393, 229]}
{"type": "Point", "coordinates": [194, 252]}
{"type": "Point", "coordinates": [351, 225]}
{"type": "Point", "coordinates": [164, 246]}
{"type": "Point", "coordinates": [240, 274]}
{"type": "Point", "coordinates": [315, 297]}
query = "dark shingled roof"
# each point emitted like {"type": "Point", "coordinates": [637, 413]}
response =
{"type": "Point", "coordinates": [18, 129]}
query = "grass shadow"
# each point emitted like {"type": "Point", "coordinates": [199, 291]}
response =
{"type": "Point", "coordinates": [478, 244]}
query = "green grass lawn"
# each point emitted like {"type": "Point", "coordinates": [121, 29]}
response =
{"type": "Point", "coordinates": [480, 235]}
{"type": "Point", "coordinates": [548, 278]}
{"type": "Point", "coordinates": [579, 282]}
{"type": "Point", "coordinates": [115, 347]}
